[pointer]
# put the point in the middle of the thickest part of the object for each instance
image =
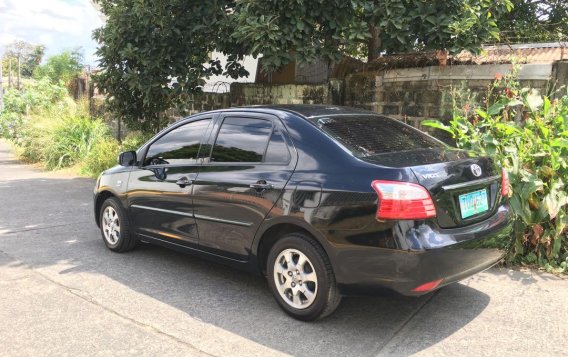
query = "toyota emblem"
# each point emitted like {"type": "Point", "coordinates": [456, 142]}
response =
{"type": "Point", "coordinates": [476, 170]}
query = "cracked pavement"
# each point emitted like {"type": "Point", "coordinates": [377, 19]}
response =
{"type": "Point", "coordinates": [63, 293]}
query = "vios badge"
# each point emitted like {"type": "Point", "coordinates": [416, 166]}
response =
{"type": "Point", "coordinates": [476, 170]}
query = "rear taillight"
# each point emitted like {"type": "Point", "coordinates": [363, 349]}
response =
{"type": "Point", "coordinates": [403, 200]}
{"type": "Point", "coordinates": [505, 184]}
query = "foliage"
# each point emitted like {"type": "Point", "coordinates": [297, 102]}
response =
{"type": "Point", "coordinates": [134, 141]}
{"type": "Point", "coordinates": [535, 21]}
{"type": "Point", "coordinates": [59, 138]}
{"type": "Point", "coordinates": [528, 134]}
{"type": "Point", "coordinates": [62, 67]}
{"type": "Point", "coordinates": [155, 54]}
{"type": "Point", "coordinates": [104, 152]}
{"type": "Point", "coordinates": [49, 128]}
{"type": "Point", "coordinates": [328, 29]}
{"type": "Point", "coordinates": [103, 155]}
{"type": "Point", "coordinates": [35, 96]}
{"type": "Point", "coordinates": [30, 57]}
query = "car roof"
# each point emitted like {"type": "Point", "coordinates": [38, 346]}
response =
{"type": "Point", "coordinates": [310, 110]}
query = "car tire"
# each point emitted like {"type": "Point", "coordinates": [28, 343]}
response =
{"type": "Point", "coordinates": [115, 226]}
{"type": "Point", "coordinates": [301, 278]}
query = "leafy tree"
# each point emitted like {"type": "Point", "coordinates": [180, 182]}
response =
{"type": "Point", "coordinates": [33, 60]}
{"type": "Point", "coordinates": [62, 67]}
{"type": "Point", "coordinates": [155, 54]}
{"type": "Point", "coordinates": [328, 29]}
{"type": "Point", "coordinates": [535, 21]}
{"type": "Point", "coordinates": [30, 57]}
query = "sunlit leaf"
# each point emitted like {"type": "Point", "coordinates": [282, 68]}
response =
{"type": "Point", "coordinates": [534, 100]}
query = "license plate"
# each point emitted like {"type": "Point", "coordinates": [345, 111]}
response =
{"type": "Point", "coordinates": [473, 203]}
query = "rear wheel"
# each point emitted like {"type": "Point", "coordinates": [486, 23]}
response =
{"type": "Point", "coordinates": [115, 227]}
{"type": "Point", "coordinates": [301, 278]}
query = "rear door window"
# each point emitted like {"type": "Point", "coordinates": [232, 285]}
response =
{"type": "Point", "coordinates": [242, 140]}
{"type": "Point", "coordinates": [179, 146]}
{"type": "Point", "coordinates": [369, 135]}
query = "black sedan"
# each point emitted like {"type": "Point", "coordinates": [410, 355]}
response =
{"type": "Point", "coordinates": [323, 200]}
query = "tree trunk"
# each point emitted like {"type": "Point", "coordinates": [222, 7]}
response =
{"type": "Point", "coordinates": [374, 44]}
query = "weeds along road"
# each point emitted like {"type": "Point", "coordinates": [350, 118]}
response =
{"type": "Point", "coordinates": [63, 293]}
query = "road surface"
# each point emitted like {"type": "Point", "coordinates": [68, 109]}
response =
{"type": "Point", "coordinates": [63, 293]}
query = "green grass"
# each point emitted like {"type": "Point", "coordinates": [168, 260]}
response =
{"type": "Point", "coordinates": [48, 127]}
{"type": "Point", "coordinates": [64, 135]}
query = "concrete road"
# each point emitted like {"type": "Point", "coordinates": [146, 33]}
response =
{"type": "Point", "coordinates": [63, 293]}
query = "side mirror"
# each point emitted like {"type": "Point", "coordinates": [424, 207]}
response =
{"type": "Point", "coordinates": [127, 158]}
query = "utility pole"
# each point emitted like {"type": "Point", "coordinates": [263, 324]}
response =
{"type": "Point", "coordinates": [9, 72]}
{"type": "Point", "coordinates": [1, 87]}
{"type": "Point", "coordinates": [19, 71]}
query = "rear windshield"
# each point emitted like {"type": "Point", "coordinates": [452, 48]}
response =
{"type": "Point", "coordinates": [369, 135]}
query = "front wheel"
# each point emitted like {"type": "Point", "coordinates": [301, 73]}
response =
{"type": "Point", "coordinates": [301, 278]}
{"type": "Point", "coordinates": [115, 227]}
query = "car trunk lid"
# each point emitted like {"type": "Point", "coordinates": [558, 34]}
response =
{"type": "Point", "coordinates": [465, 189]}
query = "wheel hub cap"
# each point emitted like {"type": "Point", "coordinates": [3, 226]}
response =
{"type": "Point", "coordinates": [295, 278]}
{"type": "Point", "coordinates": [111, 225]}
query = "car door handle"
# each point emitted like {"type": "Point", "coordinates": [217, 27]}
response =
{"type": "Point", "coordinates": [184, 181]}
{"type": "Point", "coordinates": [261, 185]}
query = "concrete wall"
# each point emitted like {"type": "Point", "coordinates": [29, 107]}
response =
{"type": "Point", "coordinates": [418, 93]}
{"type": "Point", "coordinates": [560, 78]}
{"type": "Point", "coordinates": [410, 94]}
{"type": "Point", "coordinates": [209, 101]}
{"type": "Point", "coordinates": [253, 94]}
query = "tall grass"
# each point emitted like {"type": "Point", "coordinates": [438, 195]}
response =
{"type": "Point", "coordinates": [51, 129]}
{"type": "Point", "coordinates": [102, 155]}
{"type": "Point", "coordinates": [48, 127]}
{"type": "Point", "coordinates": [61, 136]}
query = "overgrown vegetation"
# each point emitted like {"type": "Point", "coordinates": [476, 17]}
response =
{"type": "Point", "coordinates": [527, 133]}
{"type": "Point", "coordinates": [61, 67]}
{"type": "Point", "coordinates": [30, 56]}
{"type": "Point", "coordinates": [48, 127]}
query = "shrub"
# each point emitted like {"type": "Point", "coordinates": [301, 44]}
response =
{"type": "Point", "coordinates": [528, 134]}
{"type": "Point", "coordinates": [72, 139]}
{"type": "Point", "coordinates": [59, 142]}
{"type": "Point", "coordinates": [47, 126]}
{"type": "Point", "coordinates": [35, 97]}
{"type": "Point", "coordinates": [134, 140]}
{"type": "Point", "coordinates": [103, 155]}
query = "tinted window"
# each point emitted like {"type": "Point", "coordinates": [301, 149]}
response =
{"type": "Point", "coordinates": [277, 150]}
{"type": "Point", "coordinates": [179, 146]}
{"type": "Point", "coordinates": [372, 135]}
{"type": "Point", "coordinates": [241, 140]}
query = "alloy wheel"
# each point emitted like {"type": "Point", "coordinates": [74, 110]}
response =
{"type": "Point", "coordinates": [111, 225]}
{"type": "Point", "coordinates": [295, 278]}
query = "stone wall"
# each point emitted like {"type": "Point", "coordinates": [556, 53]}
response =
{"type": "Point", "coordinates": [209, 101]}
{"type": "Point", "coordinates": [410, 94]}
{"type": "Point", "coordinates": [254, 94]}
{"type": "Point", "coordinates": [413, 94]}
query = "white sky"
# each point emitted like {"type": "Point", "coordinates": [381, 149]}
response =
{"type": "Point", "coordinates": [57, 24]}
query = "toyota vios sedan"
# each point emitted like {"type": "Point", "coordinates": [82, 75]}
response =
{"type": "Point", "coordinates": [322, 200]}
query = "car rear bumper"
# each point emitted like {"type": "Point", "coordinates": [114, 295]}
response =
{"type": "Point", "coordinates": [436, 255]}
